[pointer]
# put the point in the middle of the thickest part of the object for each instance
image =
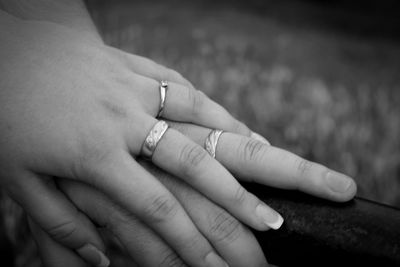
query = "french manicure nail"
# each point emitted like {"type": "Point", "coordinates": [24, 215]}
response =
{"type": "Point", "coordinates": [259, 138]}
{"type": "Point", "coordinates": [338, 182]}
{"type": "Point", "coordinates": [269, 216]}
{"type": "Point", "coordinates": [93, 255]}
{"type": "Point", "coordinates": [213, 260]}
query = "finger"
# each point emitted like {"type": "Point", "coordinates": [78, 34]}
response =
{"type": "Point", "coordinates": [233, 241]}
{"type": "Point", "coordinates": [143, 245]}
{"type": "Point", "coordinates": [146, 67]}
{"type": "Point", "coordinates": [180, 156]}
{"type": "Point", "coordinates": [57, 216]}
{"type": "Point", "coordinates": [51, 252]}
{"type": "Point", "coordinates": [188, 105]}
{"type": "Point", "coordinates": [254, 161]}
{"type": "Point", "coordinates": [183, 102]}
{"type": "Point", "coordinates": [127, 183]}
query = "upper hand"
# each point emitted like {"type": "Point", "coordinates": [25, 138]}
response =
{"type": "Point", "coordinates": [80, 110]}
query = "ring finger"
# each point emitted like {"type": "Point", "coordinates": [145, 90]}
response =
{"type": "Point", "coordinates": [186, 104]}
{"type": "Point", "coordinates": [254, 161]}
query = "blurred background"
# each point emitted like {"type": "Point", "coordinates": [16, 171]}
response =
{"type": "Point", "coordinates": [319, 78]}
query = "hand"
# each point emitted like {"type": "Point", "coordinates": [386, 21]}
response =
{"type": "Point", "coordinates": [231, 239]}
{"type": "Point", "coordinates": [78, 110]}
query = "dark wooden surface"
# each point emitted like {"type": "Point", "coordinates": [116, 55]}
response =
{"type": "Point", "coordinates": [321, 233]}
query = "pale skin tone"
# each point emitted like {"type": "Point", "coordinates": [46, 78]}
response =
{"type": "Point", "coordinates": [76, 114]}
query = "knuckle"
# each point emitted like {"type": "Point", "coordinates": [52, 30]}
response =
{"type": "Point", "coordinates": [303, 167]}
{"type": "Point", "coordinates": [225, 228]}
{"type": "Point", "coordinates": [117, 217]}
{"type": "Point", "coordinates": [90, 156]}
{"type": "Point", "coordinates": [197, 100]}
{"type": "Point", "coordinates": [240, 195]}
{"type": "Point", "coordinates": [194, 243]}
{"type": "Point", "coordinates": [178, 78]}
{"type": "Point", "coordinates": [112, 105]}
{"type": "Point", "coordinates": [173, 75]}
{"type": "Point", "coordinates": [161, 208]}
{"type": "Point", "coordinates": [63, 231]}
{"type": "Point", "coordinates": [171, 259]}
{"type": "Point", "coordinates": [191, 157]}
{"type": "Point", "coordinates": [252, 150]}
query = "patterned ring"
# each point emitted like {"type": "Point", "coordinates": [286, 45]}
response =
{"type": "Point", "coordinates": [211, 142]}
{"type": "Point", "coordinates": [152, 139]}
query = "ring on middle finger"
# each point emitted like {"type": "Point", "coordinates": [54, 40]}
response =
{"type": "Point", "coordinates": [211, 142]}
{"type": "Point", "coordinates": [152, 139]}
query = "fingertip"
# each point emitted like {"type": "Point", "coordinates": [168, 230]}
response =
{"type": "Point", "coordinates": [278, 223]}
{"type": "Point", "coordinates": [93, 255]}
{"type": "Point", "coordinates": [350, 193]}
{"type": "Point", "coordinates": [342, 186]}
{"type": "Point", "coordinates": [269, 216]}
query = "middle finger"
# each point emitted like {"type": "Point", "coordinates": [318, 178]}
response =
{"type": "Point", "coordinates": [178, 155]}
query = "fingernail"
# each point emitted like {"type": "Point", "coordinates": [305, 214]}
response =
{"type": "Point", "coordinates": [259, 138]}
{"type": "Point", "coordinates": [93, 255]}
{"type": "Point", "coordinates": [212, 259]}
{"type": "Point", "coordinates": [269, 216]}
{"type": "Point", "coordinates": [338, 182]}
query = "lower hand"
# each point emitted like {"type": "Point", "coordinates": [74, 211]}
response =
{"type": "Point", "coordinates": [233, 241]}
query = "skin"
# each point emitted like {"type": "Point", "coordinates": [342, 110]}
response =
{"type": "Point", "coordinates": [86, 128]}
{"type": "Point", "coordinates": [233, 241]}
{"type": "Point", "coordinates": [88, 125]}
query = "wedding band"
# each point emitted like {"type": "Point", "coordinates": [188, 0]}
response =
{"type": "Point", "coordinates": [163, 93]}
{"type": "Point", "coordinates": [211, 142]}
{"type": "Point", "coordinates": [152, 139]}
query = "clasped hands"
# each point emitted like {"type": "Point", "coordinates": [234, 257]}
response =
{"type": "Point", "coordinates": [74, 114]}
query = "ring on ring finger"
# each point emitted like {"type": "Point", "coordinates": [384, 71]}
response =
{"type": "Point", "coordinates": [163, 93]}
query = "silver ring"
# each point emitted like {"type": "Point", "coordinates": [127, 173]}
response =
{"type": "Point", "coordinates": [163, 93]}
{"type": "Point", "coordinates": [152, 139]}
{"type": "Point", "coordinates": [211, 142]}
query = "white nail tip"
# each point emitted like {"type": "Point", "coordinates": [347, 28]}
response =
{"type": "Point", "coordinates": [276, 225]}
{"type": "Point", "coordinates": [270, 217]}
{"type": "Point", "coordinates": [259, 138]}
{"type": "Point", "coordinates": [105, 262]}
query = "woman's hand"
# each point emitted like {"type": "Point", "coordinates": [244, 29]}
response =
{"type": "Point", "coordinates": [76, 109]}
{"type": "Point", "coordinates": [229, 237]}
{"type": "Point", "coordinates": [232, 240]}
